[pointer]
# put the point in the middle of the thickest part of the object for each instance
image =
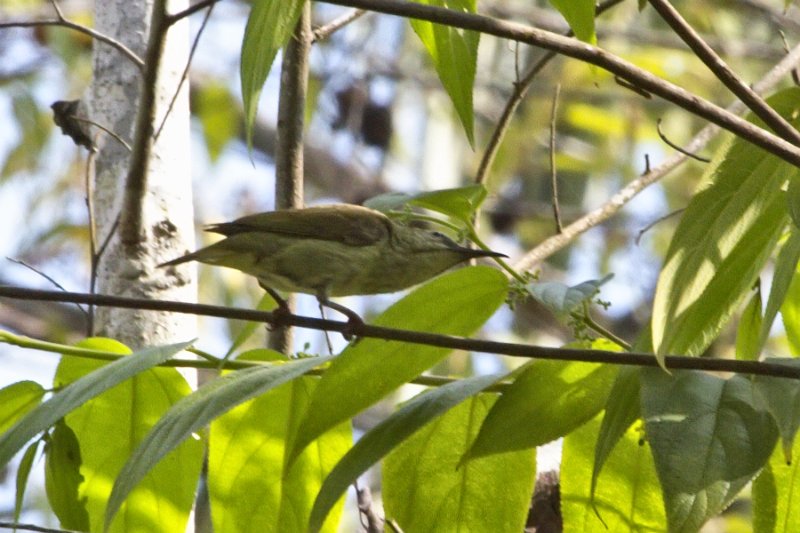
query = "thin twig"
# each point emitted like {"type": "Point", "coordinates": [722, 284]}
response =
{"type": "Point", "coordinates": [520, 90]}
{"type": "Point", "coordinates": [594, 56]}
{"type": "Point", "coordinates": [641, 359]}
{"type": "Point", "coordinates": [185, 72]}
{"type": "Point", "coordinates": [366, 510]}
{"type": "Point", "coordinates": [655, 222]}
{"type": "Point", "coordinates": [553, 172]}
{"type": "Point", "coordinates": [33, 527]}
{"type": "Point", "coordinates": [62, 21]}
{"type": "Point", "coordinates": [724, 73]}
{"type": "Point", "coordinates": [678, 148]}
{"type": "Point", "coordinates": [555, 243]}
{"type": "Point", "coordinates": [199, 6]}
{"type": "Point", "coordinates": [113, 135]}
{"type": "Point", "coordinates": [323, 32]}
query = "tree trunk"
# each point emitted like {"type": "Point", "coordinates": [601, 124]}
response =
{"type": "Point", "coordinates": [167, 215]}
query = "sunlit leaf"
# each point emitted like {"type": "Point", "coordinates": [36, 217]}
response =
{"type": "Point", "coordinates": [627, 498]}
{"type": "Point", "coordinates": [269, 27]}
{"type": "Point", "coordinates": [62, 478]}
{"type": "Point", "coordinates": [456, 303]}
{"type": "Point", "coordinates": [580, 16]}
{"type": "Point", "coordinates": [195, 411]}
{"type": "Point", "coordinates": [389, 434]}
{"type": "Point", "coordinates": [709, 439]}
{"type": "Point", "coordinates": [455, 55]}
{"type": "Point", "coordinates": [723, 240]}
{"type": "Point", "coordinates": [428, 487]}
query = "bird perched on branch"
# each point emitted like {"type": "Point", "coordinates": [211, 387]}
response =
{"type": "Point", "coordinates": [336, 250]}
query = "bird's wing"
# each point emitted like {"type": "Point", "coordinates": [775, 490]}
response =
{"type": "Point", "coordinates": [351, 225]}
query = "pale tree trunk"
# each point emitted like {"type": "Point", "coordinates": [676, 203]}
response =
{"type": "Point", "coordinates": [166, 213]}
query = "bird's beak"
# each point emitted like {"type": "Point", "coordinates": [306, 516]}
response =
{"type": "Point", "coordinates": [477, 252]}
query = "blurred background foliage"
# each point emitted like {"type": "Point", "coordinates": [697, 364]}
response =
{"type": "Point", "coordinates": [378, 121]}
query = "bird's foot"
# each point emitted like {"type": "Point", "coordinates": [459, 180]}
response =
{"type": "Point", "coordinates": [354, 321]}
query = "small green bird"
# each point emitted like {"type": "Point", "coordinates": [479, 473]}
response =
{"type": "Point", "coordinates": [336, 250]}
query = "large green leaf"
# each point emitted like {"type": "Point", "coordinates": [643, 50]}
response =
{"type": "Point", "coordinates": [726, 235]}
{"type": "Point", "coordinates": [546, 401]}
{"type": "Point", "coordinates": [108, 428]}
{"type": "Point", "coordinates": [428, 487]}
{"type": "Point", "coordinates": [580, 16]}
{"type": "Point", "coordinates": [785, 267]}
{"type": "Point", "coordinates": [455, 55]}
{"type": "Point", "coordinates": [776, 495]}
{"type": "Point", "coordinates": [269, 27]}
{"type": "Point", "coordinates": [781, 397]}
{"type": "Point", "coordinates": [76, 394]}
{"type": "Point", "coordinates": [708, 439]}
{"type": "Point", "coordinates": [622, 410]}
{"type": "Point", "coordinates": [456, 303]}
{"type": "Point", "coordinates": [62, 478]}
{"type": "Point", "coordinates": [790, 313]}
{"type": "Point", "coordinates": [194, 412]}
{"type": "Point", "coordinates": [388, 434]}
{"type": "Point", "coordinates": [16, 400]}
{"type": "Point", "coordinates": [627, 497]}
{"type": "Point", "coordinates": [217, 110]}
{"type": "Point", "coordinates": [248, 489]}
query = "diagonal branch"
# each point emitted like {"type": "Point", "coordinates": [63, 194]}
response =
{"type": "Point", "coordinates": [592, 55]}
{"type": "Point", "coordinates": [724, 73]}
{"type": "Point", "coordinates": [557, 242]}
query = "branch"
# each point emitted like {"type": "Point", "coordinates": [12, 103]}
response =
{"type": "Point", "coordinates": [555, 243]}
{"type": "Point", "coordinates": [592, 55]}
{"type": "Point", "coordinates": [672, 362]}
{"type": "Point", "coordinates": [729, 78]}
{"type": "Point", "coordinates": [130, 224]}
{"type": "Point", "coordinates": [64, 23]}
{"type": "Point", "coordinates": [323, 32]}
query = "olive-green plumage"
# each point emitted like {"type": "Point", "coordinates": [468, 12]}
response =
{"type": "Point", "coordinates": [336, 250]}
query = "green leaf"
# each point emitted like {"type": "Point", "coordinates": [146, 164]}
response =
{"type": "Point", "coordinates": [708, 440]}
{"type": "Point", "coordinates": [749, 328]}
{"type": "Point", "coordinates": [793, 200]}
{"type": "Point", "coordinates": [269, 27]}
{"type": "Point", "coordinates": [16, 400]}
{"type": "Point", "coordinates": [23, 473]}
{"type": "Point", "coordinates": [781, 397]}
{"type": "Point", "coordinates": [546, 401]}
{"type": "Point", "coordinates": [217, 110]}
{"type": "Point", "coordinates": [562, 299]}
{"type": "Point", "coordinates": [726, 235]}
{"type": "Point", "coordinates": [194, 412]}
{"type": "Point", "coordinates": [580, 17]}
{"type": "Point", "coordinates": [459, 203]}
{"type": "Point", "coordinates": [388, 434]}
{"type": "Point", "coordinates": [76, 394]}
{"type": "Point", "coordinates": [455, 55]}
{"type": "Point", "coordinates": [266, 303]}
{"type": "Point", "coordinates": [627, 498]}
{"type": "Point", "coordinates": [62, 478]}
{"type": "Point", "coordinates": [776, 495]}
{"type": "Point", "coordinates": [109, 426]}
{"type": "Point", "coordinates": [790, 313]}
{"type": "Point", "coordinates": [428, 487]}
{"type": "Point", "coordinates": [456, 303]}
{"type": "Point", "coordinates": [785, 267]}
{"type": "Point", "coordinates": [248, 489]}
{"type": "Point", "coordinates": [622, 410]}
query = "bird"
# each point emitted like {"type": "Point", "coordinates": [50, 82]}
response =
{"type": "Point", "coordinates": [332, 250]}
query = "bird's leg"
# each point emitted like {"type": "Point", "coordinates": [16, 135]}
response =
{"type": "Point", "coordinates": [280, 312]}
{"type": "Point", "coordinates": [354, 322]}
